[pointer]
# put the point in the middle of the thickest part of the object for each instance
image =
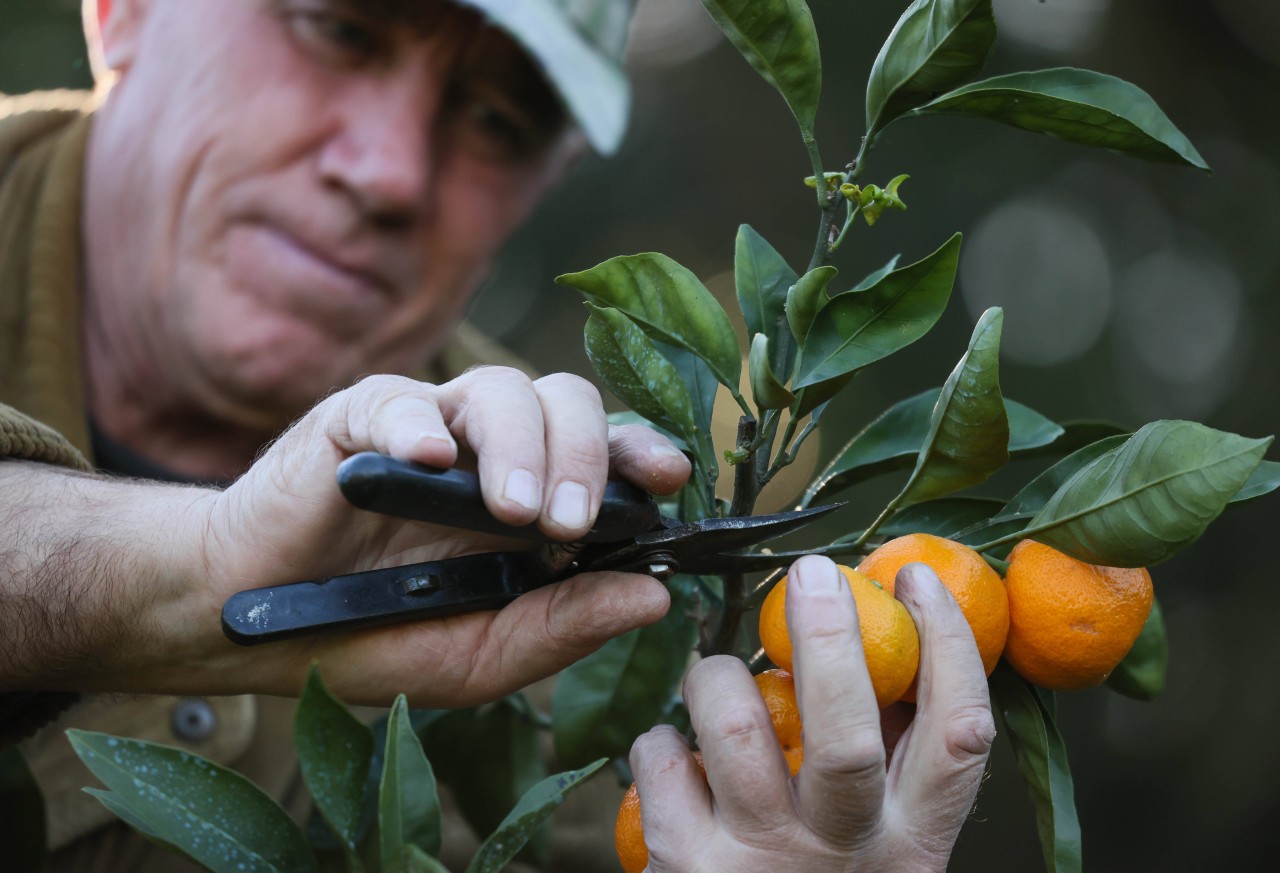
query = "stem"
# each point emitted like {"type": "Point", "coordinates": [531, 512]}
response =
{"type": "Point", "coordinates": [855, 169]}
{"type": "Point", "coordinates": [880, 519]}
{"type": "Point", "coordinates": [1004, 540]}
{"type": "Point", "coordinates": [815, 158]}
{"type": "Point", "coordinates": [1001, 567]}
{"type": "Point", "coordinates": [746, 487]}
{"type": "Point", "coordinates": [854, 212]}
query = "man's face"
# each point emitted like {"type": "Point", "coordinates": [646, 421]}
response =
{"type": "Point", "coordinates": [305, 191]}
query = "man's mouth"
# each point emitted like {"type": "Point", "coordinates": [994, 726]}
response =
{"type": "Point", "coordinates": [304, 276]}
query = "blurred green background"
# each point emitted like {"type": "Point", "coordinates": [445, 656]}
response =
{"type": "Point", "coordinates": [1131, 292]}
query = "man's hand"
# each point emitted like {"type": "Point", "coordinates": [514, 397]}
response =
{"type": "Point", "coordinates": [846, 811]}
{"type": "Point", "coordinates": [543, 451]}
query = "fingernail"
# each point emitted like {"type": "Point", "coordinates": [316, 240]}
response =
{"type": "Point", "coordinates": [432, 438]}
{"type": "Point", "coordinates": [569, 505]}
{"type": "Point", "coordinates": [816, 576]}
{"type": "Point", "coordinates": [923, 583]}
{"type": "Point", "coordinates": [522, 489]}
{"type": "Point", "coordinates": [662, 450]}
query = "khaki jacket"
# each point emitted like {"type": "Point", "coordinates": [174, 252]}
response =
{"type": "Point", "coordinates": [43, 417]}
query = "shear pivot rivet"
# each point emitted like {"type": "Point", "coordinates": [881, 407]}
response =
{"type": "Point", "coordinates": [416, 584]}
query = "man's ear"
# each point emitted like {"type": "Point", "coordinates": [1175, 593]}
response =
{"type": "Point", "coordinates": [118, 25]}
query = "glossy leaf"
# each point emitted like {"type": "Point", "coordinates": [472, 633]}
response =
{"type": "Point", "coordinates": [874, 276]}
{"type": "Point", "coordinates": [334, 749]}
{"type": "Point", "coordinates": [893, 440]}
{"type": "Point", "coordinates": [1264, 480]}
{"type": "Point", "coordinates": [853, 330]}
{"type": "Point", "coordinates": [488, 757]}
{"type": "Point", "coordinates": [935, 46]}
{"type": "Point", "coordinates": [766, 387]}
{"type": "Point", "coordinates": [943, 517]}
{"type": "Point", "coordinates": [207, 812]}
{"type": "Point", "coordinates": [527, 817]}
{"type": "Point", "coordinates": [607, 699]}
{"type": "Point", "coordinates": [1075, 435]}
{"type": "Point", "coordinates": [819, 394]}
{"type": "Point", "coordinates": [411, 859]}
{"type": "Point", "coordinates": [968, 437]}
{"type": "Point", "coordinates": [1036, 493]}
{"type": "Point", "coordinates": [22, 826]}
{"type": "Point", "coordinates": [633, 369]}
{"type": "Point", "coordinates": [1024, 505]}
{"type": "Point", "coordinates": [806, 298]}
{"type": "Point", "coordinates": [670, 303]}
{"type": "Point", "coordinates": [1026, 718]}
{"type": "Point", "coordinates": [700, 382]}
{"type": "Point", "coordinates": [778, 38]}
{"type": "Point", "coordinates": [762, 278]}
{"type": "Point", "coordinates": [1141, 674]}
{"type": "Point", "coordinates": [408, 803]}
{"type": "Point", "coordinates": [1078, 106]}
{"type": "Point", "coordinates": [1143, 501]}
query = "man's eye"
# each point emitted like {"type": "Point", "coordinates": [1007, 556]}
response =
{"type": "Point", "coordinates": [335, 38]}
{"type": "Point", "coordinates": [490, 129]}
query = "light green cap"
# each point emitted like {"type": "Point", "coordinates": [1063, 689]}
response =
{"type": "Point", "coordinates": [579, 44]}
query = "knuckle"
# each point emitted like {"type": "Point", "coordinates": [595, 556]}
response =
{"type": "Point", "coordinates": [969, 733]}
{"type": "Point", "coordinates": [858, 755]}
{"type": "Point", "coordinates": [654, 752]}
{"type": "Point", "coordinates": [739, 723]}
{"type": "Point", "coordinates": [508, 377]}
{"type": "Point", "coordinates": [570, 383]}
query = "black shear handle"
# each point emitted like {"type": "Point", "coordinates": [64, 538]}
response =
{"type": "Point", "coordinates": [434, 589]}
{"type": "Point", "coordinates": [452, 497]}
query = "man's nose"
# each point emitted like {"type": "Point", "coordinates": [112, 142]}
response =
{"type": "Point", "coordinates": [382, 155]}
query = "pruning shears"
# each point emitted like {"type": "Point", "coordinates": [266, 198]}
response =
{"type": "Point", "coordinates": [630, 534]}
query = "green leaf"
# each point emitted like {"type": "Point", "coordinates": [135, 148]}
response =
{"type": "Point", "coordinates": [935, 46]}
{"type": "Point", "coordinates": [762, 279]}
{"type": "Point", "coordinates": [968, 437]}
{"type": "Point", "coordinates": [778, 38]}
{"type": "Point", "coordinates": [815, 396]}
{"type": "Point", "coordinates": [209, 813]}
{"type": "Point", "coordinates": [853, 330]}
{"type": "Point", "coordinates": [700, 382]}
{"type": "Point", "coordinates": [533, 810]}
{"type": "Point", "coordinates": [1143, 501]}
{"type": "Point", "coordinates": [408, 804]}
{"type": "Point", "coordinates": [1078, 106]}
{"type": "Point", "coordinates": [806, 298]}
{"type": "Point", "coordinates": [768, 390]}
{"type": "Point", "coordinates": [670, 303]}
{"type": "Point", "coordinates": [1074, 435]}
{"type": "Point", "coordinates": [1036, 493]}
{"type": "Point", "coordinates": [893, 441]}
{"type": "Point", "coordinates": [489, 757]}
{"type": "Point", "coordinates": [1141, 674]}
{"type": "Point", "coordinates": [334, 749]}
{"type": "Point", "coordinates": [1264, 480]}
{"type": "Point", "coordinates": [1033, 496]}
{"type": "Point", "coordinates": [633, 369]}
{"type": "Point", "coordinates": [411, 859]}
{"type": "Point", "coordinates": [22, 826]}
{"type": "Point", "coordinates": [607, 699]}
{"type": "Point", "coordinates": [942, 518]}
{"type": "Point", "coordinates": [873, 277]}
{"type": "Point", "coordinates": [1026, 718]}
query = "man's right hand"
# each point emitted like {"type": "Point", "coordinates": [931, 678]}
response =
{"type": "Point", "coordinates": [543, 451]}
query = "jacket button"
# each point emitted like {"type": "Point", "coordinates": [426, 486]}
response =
{"type": "Point", "coordinates": [193, 720]}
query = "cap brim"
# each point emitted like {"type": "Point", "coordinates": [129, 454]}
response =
{"type": "Point", "coordinates": [593, 86]}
